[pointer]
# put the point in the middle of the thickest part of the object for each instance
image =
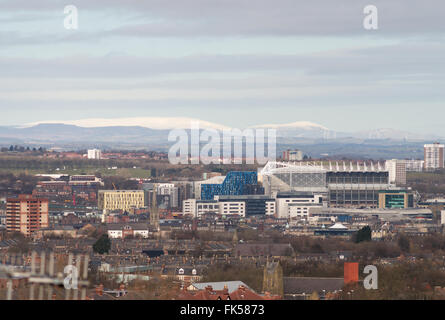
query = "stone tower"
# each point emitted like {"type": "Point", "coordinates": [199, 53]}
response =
{"type": "Point", "coordinates": [273, 278]}
{"type": "Point", "coordinates": [235, 237]}
{"type": "Point", "coordinates": [154, 211]}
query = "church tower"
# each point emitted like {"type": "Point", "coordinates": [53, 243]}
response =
{"type": "Point", "coordinates": [154, 211]}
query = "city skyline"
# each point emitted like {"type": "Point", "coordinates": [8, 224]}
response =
{"type": "Point", "coordinates": [222, 150]}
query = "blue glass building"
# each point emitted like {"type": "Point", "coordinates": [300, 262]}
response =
{"type": "Point", "coordinates": [236, 183]}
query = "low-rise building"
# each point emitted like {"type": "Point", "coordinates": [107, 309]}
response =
{"type": "Point", "coordinates": [297, 205]}
{"type": "Point", "coordinates": [122, 231]}
{"type": "Point", "coordinates": [396, 199]}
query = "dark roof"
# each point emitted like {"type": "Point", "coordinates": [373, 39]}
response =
{"type": "Point", "coordinates": [308, 285]}
{"type": "Point", "coordinates": [59, 227]}
{"type": "Point", "coordinates": [264, 249]}
{"type": "Point", "coordinates": [8, 243]}
{"type": "Point", "coordinates": [153, 253]}
{"type": "Point", "coordinates": [188, 270]}
{"type": "Point", "coordinates": [134, 226]}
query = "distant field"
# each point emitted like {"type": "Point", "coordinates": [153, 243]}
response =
{"type": "Point", "coordinates": [105, 172]}
{"type": "Point", "coordinates": [18, 164]}
{"type": "Point", "coordinates": [430, 177]}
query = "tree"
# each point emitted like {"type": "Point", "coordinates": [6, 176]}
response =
{"type": "Point", "coordinates": [21, 244]}
{"type": "Point", "coordinates": [364, 234]}
{"type": "Point", "coordinates": [404, 243]}
{"type": "Point", "coordinates": [102, 245]}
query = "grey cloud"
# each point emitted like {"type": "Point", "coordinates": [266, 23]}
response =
{"type": "Point", "coordinates": [257, 18]}
{"type": "Point", "coordinates": [404, 59]}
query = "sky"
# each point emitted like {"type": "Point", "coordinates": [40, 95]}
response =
{"type": "Point", "coordinates": [237, 63]}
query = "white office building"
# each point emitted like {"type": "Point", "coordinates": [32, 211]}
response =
{"type": "Point", "coordinates": [414, 165]}
{"type": "Point", "coordinates": [189, 207]}
{"type": "Point", "coordinates": [270, 208]}
{"type": "Point", "coordinates": [289, 205]}
{"type": "Point", "coordinates": [94, 154]}
{"type": "Point", "coordinates": [170, 190]}
{"type": "Point", "coordinates": [434, 156]}
{"type": "Point", "coordinates": [229, 208]}
{"type": "Point", "coordinates": [397, 171]}
{"type": "Point", "coordinates": [197, 208]}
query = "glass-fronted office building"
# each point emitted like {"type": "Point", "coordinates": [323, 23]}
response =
{"type": "Point", "coordinates": [236, 183]}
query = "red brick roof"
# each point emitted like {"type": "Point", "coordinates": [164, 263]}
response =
{"type": "Point", "coordinates": [242, 293]}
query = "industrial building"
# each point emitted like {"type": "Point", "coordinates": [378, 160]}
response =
{"type": "Point", "coordinates": [286, 177]}
{"type": "Point", "coordinates": [342, 184]}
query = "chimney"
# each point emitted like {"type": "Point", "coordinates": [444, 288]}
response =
{"type": "Point", "coordinates": [100, 290]}
{"type": "Point", "coordinates": [226, 289]}
{"type": "Point", "coordinates": [350, 272]}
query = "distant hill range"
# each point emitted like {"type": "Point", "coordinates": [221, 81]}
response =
{"type": "Point", "coordinates": [315, 140]}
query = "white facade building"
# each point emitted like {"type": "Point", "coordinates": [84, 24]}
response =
{"type": "Point", "coordinates": [414, 165]}
{"type": "Point", "coordinates": [170, 190]}
{"type": "Point", "coordinates": [228, 208]}
{"type": "Point", "coordinates": [397, 171]}
{"type": "Point", "coordinates": [197, 208]}
{"type": "Point", "coordinates": [119, 231]}
{"type": "Point", "coordinates": [203, 207]}
{"type": "Point", "coordinates": [434, 156]}
{"type": "Point", "coordinates": [189, 207]}
{"type": "Point", "coordinates": [94, 154]}
{"type": "Point", "coordinates": [288, 206]}
{"type": "Point", "coordinates": [270, 208]}
{"type": "Point", "coordinates": [115, 234]}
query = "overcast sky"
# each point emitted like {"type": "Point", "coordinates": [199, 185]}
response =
{"type": "Point", "coordinates": [234, 62]}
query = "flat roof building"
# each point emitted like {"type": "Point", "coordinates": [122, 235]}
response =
{"type": "Point", "coordinates": [26, 214]}
{"type": "Point", "coordinates": [125, 200]}
{"type": "Point", "coordinates": [397, 171]}
{"type": "Point", "coordinates": [433, 154]}
{"type": "Point", "coordinates": [344, 184]}
{"type": "Point", "coordinates": [396, 199]}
